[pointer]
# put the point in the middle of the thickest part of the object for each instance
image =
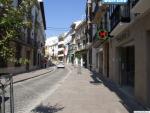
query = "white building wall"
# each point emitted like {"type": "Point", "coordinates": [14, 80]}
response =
{"type": "Point", "coordinates": [76, 61]}
{"type": "Point", "coordinates": [81, 61]}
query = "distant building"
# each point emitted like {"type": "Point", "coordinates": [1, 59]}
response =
{"type": "Point", "coordinates": [80, 39]}
{"type": "Point", "coordinates": [67, 41]}
{"type": "Point", "coordinates": [72, 46]}
{"type": "Point", "coordinates": [51, 51]}
{"type": "Point", "coordinates": [61, 48]}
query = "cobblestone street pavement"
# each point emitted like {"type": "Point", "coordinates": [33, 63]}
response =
{"type": "Point", "coordinates": [29, 93]}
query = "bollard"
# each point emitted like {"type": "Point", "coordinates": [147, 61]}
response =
{"type": "Point", "coordinates": [3, 100]}
{"type": "Point", "coordinates": [6, 79]}
{"type": "Point", "coordinates": [11, 95]}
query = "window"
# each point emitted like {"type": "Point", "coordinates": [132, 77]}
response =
{"type": "Point", "coordinates": [61, 52]}
{"type": "Point", "coordinates": [84, 43]}
{"type": "Point", "coordinates": [18, 55]}
{"type": "Point", "coordinates": [78, 45]}
{"type": "Point", "coordinates": [34, 57]}
{"type": "Point", "coordinates": [61, 39]}
{"type": "Point", "coordinates": [60, 46]}
{"type": "Point", "coordinates": [3, 63]}
{"type": "Point", "coordinates": [28, 35]}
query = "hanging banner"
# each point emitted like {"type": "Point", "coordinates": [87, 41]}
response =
{"type": "Point", "coordinates": [114, 1]}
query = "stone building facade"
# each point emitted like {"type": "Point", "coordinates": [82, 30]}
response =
{"type": "Point", "coordinates": [124, 56]}
{"type": "Point", "coordinates": [31, 45]}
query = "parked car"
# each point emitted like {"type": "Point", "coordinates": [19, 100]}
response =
{"type": "Point", "coordinates": [61, 65]}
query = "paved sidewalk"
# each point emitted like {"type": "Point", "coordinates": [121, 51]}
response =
{"type": "Point", "coordinates": [31, 74]}
{"type": "Point", "coordinates": [80, 93]}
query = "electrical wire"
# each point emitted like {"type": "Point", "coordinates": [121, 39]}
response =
{"type": "Point", "coordinates": [56, 28]}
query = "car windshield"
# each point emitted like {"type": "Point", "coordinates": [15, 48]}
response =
{"type": "Point", "coordinates": [60, 63]}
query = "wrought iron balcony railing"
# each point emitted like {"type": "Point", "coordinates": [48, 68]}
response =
{"type": "Point", "coordinates": [134, 2]}
{"type": "Point", "coordinates": [120, 14]}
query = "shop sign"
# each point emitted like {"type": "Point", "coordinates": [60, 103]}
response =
{"type": "Point", "coordinates": [102, 34]}
{"type": "Point", "coordinates": [114, 1]}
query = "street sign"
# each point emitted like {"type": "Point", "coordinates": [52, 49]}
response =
{"type": "Point", "coordinates": [114, 1]}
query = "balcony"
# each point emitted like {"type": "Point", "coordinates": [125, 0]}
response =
{"type": "Point", "coordinates": [98, 13]}
{"type": "Point", "coordinates": [61, 49]}
{"type": "Point", "coordinates": [140, 6]}
{"type": "Point", "coordinates": [61, 55]}
{"type": "Point", "coordinates": [61, 42]}
{"type": "Point", "coordinates": [81, 47]}
{"type": "Point", "coordinates": [119, 19]}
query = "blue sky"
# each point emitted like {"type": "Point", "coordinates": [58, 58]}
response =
{"type": "Point", "coordinates": [61, 14]}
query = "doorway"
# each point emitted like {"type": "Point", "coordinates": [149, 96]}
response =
{"type": "Point", "coordinates": [84, 59]}
{"type": "Point", "coordinates": [101, 62]}
{"type": "Point", "coordinates": [127, 66]}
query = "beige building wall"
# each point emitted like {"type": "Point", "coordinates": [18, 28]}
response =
{"type": "Point", "coordinates": [138, 34]}
{"type": "Point", "coordinates": [142, 87]}
{"type": "Point", "coordinates": [11, 68]}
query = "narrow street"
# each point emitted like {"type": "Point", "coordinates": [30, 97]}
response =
{"type": "Point", "coordinates": [69, 90]}
{"type": "Point", "coordinates": [74, 56]}
{"type": "Point", "coordinates": [30, 93]}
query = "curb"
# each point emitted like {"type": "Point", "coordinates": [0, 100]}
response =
{"type": "Point", "coordinates": [33, 76]}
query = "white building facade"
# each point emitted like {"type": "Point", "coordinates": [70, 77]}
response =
{"type": "Point", "coordinates": [80, 39]}
{"type": "Point", "coordinates": [52, 48]}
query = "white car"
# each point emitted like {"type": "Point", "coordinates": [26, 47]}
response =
{"type": "Point", "coordinates": [60, 65]}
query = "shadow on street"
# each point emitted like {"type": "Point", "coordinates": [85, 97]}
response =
{"type": "Point", "coordinates": [96, 80]}
{"type": "Point", "coordinates": [130, 104]}
{"type": "Point", "coordinates": [6, 99]}
{"type": "Point", "coordinates": [47, 108]}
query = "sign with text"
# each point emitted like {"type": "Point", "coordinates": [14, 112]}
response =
{"type": "Point", "coordinates": [114, 1]}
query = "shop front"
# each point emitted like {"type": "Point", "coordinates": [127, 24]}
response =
{"type": "Point", "coordinates": [101, 44]}
{"type": "Point", "coordinates": [127, 66]}
{"type": "Point", "coordinates": [122, 61]}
